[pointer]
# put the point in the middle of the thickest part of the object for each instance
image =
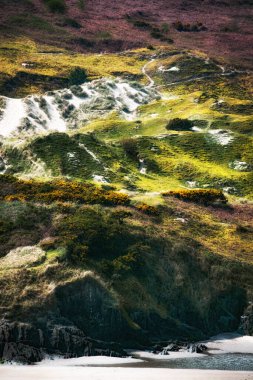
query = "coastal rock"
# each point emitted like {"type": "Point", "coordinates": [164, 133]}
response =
{"type": "Point", "coordinates": [25, 343]}
{"type": "Point", "coordinates": [21, 353]}
{"type": "Point", "coordinates": [246, 326]}
{"type": "Point", "coordinates": [171, 347]}
{"type": "Point", "coordinates": [196, 348]}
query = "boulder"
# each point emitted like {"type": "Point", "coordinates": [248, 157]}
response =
{"type": "Point", "coordinates": [196, 348]}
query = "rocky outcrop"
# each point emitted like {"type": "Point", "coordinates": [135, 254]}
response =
{"type": "Point", "coordinates": [246, 326]}
{"type": "Point", "coordinates": [198, 348]}
{"type": "Point", "coordinates": [93, 309]}
{"type": "Point", "coordinates": [27, 343]}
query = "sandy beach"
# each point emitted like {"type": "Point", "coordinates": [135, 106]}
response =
{"type": "Point", "coordinates": [111, 368]}
{"type": "Point", "coordinates": [98, 373]}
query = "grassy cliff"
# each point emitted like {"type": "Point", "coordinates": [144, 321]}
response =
{"type": "Point", "coordinates": [133, 221]}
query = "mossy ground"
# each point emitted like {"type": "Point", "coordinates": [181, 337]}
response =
{"type": "Point", "coordinates": [49, 64]}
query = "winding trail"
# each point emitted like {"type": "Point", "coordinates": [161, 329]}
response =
{"type": "Point", "coordinates": [151, 81]}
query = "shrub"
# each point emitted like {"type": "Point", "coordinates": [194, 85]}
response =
{"type": "Point", "coordinates": [156, 33]}
{"type": "Point", "coordinates": [130, 147]}
{"type": "Point", "coordinates": [180, 125]}
{"type": "Point", "coordinates": [77, 76]}
{"type": "Point", "coordinates": [202, 196]}
{"type": "Point", "coordinates": [56, 5]}
{"type": "Point", "coordinates": [146, 209]}
{"type": "Point", "coordinates": [141, 24]}
{"type": "Point", "coordinates": [84, 42]}
{"type": "Point", "coordinates": [92, 233]}
{"type": "Point", "coordinates": [133, 259]}
{"type": "Point", "coordinates": [197, 27]}
{"type": "Point", "coordinates": [12, 189]}
{"type": "Point", "coordinates": [72, 23]}
{"type": "Point", "coordinates": [165, 28]}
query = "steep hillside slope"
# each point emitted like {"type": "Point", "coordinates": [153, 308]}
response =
{"type": "Point", "coordinates": [118, 132]}
{"type": "Point", "coordinates": [220, 28]}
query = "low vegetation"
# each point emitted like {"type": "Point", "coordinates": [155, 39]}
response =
{"type": "Point", "coordinates": [77, 76]}
{"type": "Point", "coordinates": [56, 5]}
{"type": "Point", "coordinates": [202, 196]}
{"type": "Point", "coordinates": [13, 190]}
{"type": "Point", "coordinates": [196, 27]}
{"type": "Point", "coordinates": [180, 125]}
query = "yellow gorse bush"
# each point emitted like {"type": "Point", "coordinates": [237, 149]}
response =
{"type": "Point", "coordinates": [13, 189]}
{"type": "Point", "coordinates": [204, 196]}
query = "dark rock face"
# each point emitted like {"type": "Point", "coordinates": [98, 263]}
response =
{"type": "Point", "coordinates": [92, 309]}
{"type": "Point", "coordinates": [21, 353]}
{"type": "Point", "coordinates": [82, 318]}
{"type": "Point", "coordinates": [27, 344]}
{"type": "Point", "coordinates": [20, 342]}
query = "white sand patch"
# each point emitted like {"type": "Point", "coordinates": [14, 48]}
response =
{"type": "Point", "coordinates": [62, 109]}
{"type": "Point", "coordinates": [196, 129]}
{"type": "Point", "coordinates": [122, 92]}
{"type": "Point", "coordinates": [172, 69]}
{"type": "Point", "coordinates": [230, 343]}
{"type": "Point", "coordinates": [16, 372]}
{"type": "Point", "coordinates": [57, 122]}
{"type": "Point", "coordinates": [221, 136]}
{"type": "Point", "coordinates": [12, 117]}
{"type": "Point", "coordinates": [87, 360]}
{"type": "Point", "coordinates": [77, 373]}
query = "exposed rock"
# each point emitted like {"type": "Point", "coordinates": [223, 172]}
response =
{"type": "Point", "coordinates": [22, 353]}
{"type": "Point", "coordinates": [25, 343]}
{"type": "Point", "coordinates": [246, 326]}
{"type": "Point", "coordinates": [197, 348]}
{"type": "Point", "coordinates": [170, 348]}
